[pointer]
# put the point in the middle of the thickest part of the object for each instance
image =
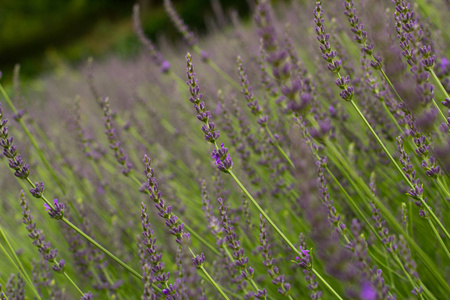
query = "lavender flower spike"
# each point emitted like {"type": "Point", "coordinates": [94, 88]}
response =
{"type": "Point", "coordinates": [21, 169]}
{"type": "Point", "coordinates": [57, 212]}
{"type": "Point", "coordinates": [222, 159]}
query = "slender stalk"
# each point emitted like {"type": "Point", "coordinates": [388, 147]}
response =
{"type": "Point", "coordinates": [352, 176]}
{"type": "Point", "coordinates": [275, 227]}
{"type": "Point", "coordinates": [439, 239]}
{"type": "Point", "coordinates": [73, 283]}
{"type": "Point", "coordinates": [19, 263]}
{"type": "Point", "coordinates": [436, 220]}
{"type": "Point", "coordinates": [213, 282]}
{"type": "Point", "coordinates": [21, 271]}
{"type": "Point", "coordinates": [433, 74]}
{"type": "Point", "coordinates": [190, 229]}
{"type": "Point", "coordinates": [269, 132]}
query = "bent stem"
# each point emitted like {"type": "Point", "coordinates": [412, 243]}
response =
{"type": "Point", "coordinates": [275, 227]}
{"type": "Point", "coordinates": [436, 220]}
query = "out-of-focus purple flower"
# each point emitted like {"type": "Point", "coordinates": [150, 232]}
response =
{"type": "Point", "coordinates": [368, 292]}
{"type": "Point", "coordinates": [158, 59]}
{"type": "Point", "coordinates": [188, 35]}
{"type": "Point", "coordinates": [114, 142]}
{"type": "Point", "coordinates": [87, 296]}
{"type": "Point", "coordinates": [277, 278]}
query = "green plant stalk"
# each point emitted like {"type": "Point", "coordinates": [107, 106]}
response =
{"type": "Point", "coordinates": [407, 274]}
{"type": "Point", "coordinates": [365, 220]}
{"type": "Point", "coordinates": [19, 263]}
{"type": "Point", "coordinates": [190, 229]}
{"type": "Point", "coordinates": [72, 282]}
{"type": "Point", "coordinates": [33, 141]}
{"type": "Point", "coordinates": [435, 219]}
{"type": "Point", "coordinates": [213, 282]}
{"type": "Point", "coordinates": [218, 70]}
{"type": "Point", "coordinates": [433, 74]}
{"type": "Point", "coordinates": [92, 241]}
{"type": "Point", "coordinates": [269, 132]}
{"type": "Point", "coordinates": [275, 227]}
{"type": "Point", "coordinates": [390, 218]}
{"type": "Point", "coordinates": [440, 240]}
{"type": "Point", "coordinates": [21, 270]}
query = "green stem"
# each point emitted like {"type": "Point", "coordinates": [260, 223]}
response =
{"type": "Point", "coordinates": [269, 132]}
{"type": "Point", "coordinates": [213, 282]}
{"type": "Point", "coordinates": [351, 176]}
{"type": "Point", "coordinates": [325, 283]}
{"type": "Point", "coordinates": [19, 263]}
{"type": "Point", "coordinates": [433, 74]}
{"type": "Point", "coordinates": [439, 238]}
{"type": "Point", "coordinates": [218, 70]}
{"type": "Point", "coordinates": [436, 220]}
{"type": "Point", "coordinates": [275, 227]}
{"type": "Point", "coordinates": [190, 229]}
{"type": "Point", "coordinates": [73, 283]}
{"type": "Point", "coordinates": [21, 271]}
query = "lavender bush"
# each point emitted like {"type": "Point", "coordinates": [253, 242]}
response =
{"type": "Point", "coordinates": [320, 169]}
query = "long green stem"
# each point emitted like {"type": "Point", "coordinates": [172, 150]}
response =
{"type": "Point", "coordinates": [19, 268]}
{"type": "Point", "coordinates": [190, 229]}
{"type": "Point", "coordinates": [436, 220]}
{"type": "Point", "coordinates": [213, 282]}
{"type": "Point", "coordinates": [352, 176]}
{"type": "Point", "coordinates": [269, 132]}
{"type": "Point", "coordinates": [92, 241]}
{"type": "Point", "coordinates": [73, 283]}
{"type": "Point", "coordinates": [19, 263]}
{"type": "Point", "coordinates": [433, 74]}
{"type": "Point", "coordinates": [275, 227]}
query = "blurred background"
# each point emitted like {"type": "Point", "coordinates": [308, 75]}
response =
{"type": "Point", "coordinates": [41, 34]}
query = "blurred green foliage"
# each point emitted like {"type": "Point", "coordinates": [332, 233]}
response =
{"type": "Point", "coordinates": [40, 34]}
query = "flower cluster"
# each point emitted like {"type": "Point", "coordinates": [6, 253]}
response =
{"type": "Point", "coordinates": [158, 59]}
{"type": "Point", "coordinates": [252, 103]}
{"type": "Point", "coordinates": [277, 278]}
{"type": "Point", "coordinates": [179, 23]}
{"type": "Point", "coordinates": [114, 142]}
{"type": "Point", "coordinates": [57, 212]}
{"type": "Point", "coordinates": [176, 227]}
{"type": "Point", "coordinates": [417, 191]}
{"type": "Point", "coordinates": [38, 237]}
{"type": "Point", "coordinates": [21, 169]}
{"type": "Point", "coordinates": [330, 56]}
{"type": "Point", "coordinates": [222, 159]}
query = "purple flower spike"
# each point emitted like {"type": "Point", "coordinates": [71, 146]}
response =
{"type": "Point", "coordinates": [57, 212]}
{"type": "Point", "coordinates": [87, 296]}
{"type": "Point", "coordinates": [198, 260]}
{"type": "Point", "coordinates": [38, 190]}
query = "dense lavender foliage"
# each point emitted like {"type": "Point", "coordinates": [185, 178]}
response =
{"type": "Point", "coordinates": [301, 154]}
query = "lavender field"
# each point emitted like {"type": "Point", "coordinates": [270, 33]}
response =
{"type": "Point", "coordinates": [300, 154]}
